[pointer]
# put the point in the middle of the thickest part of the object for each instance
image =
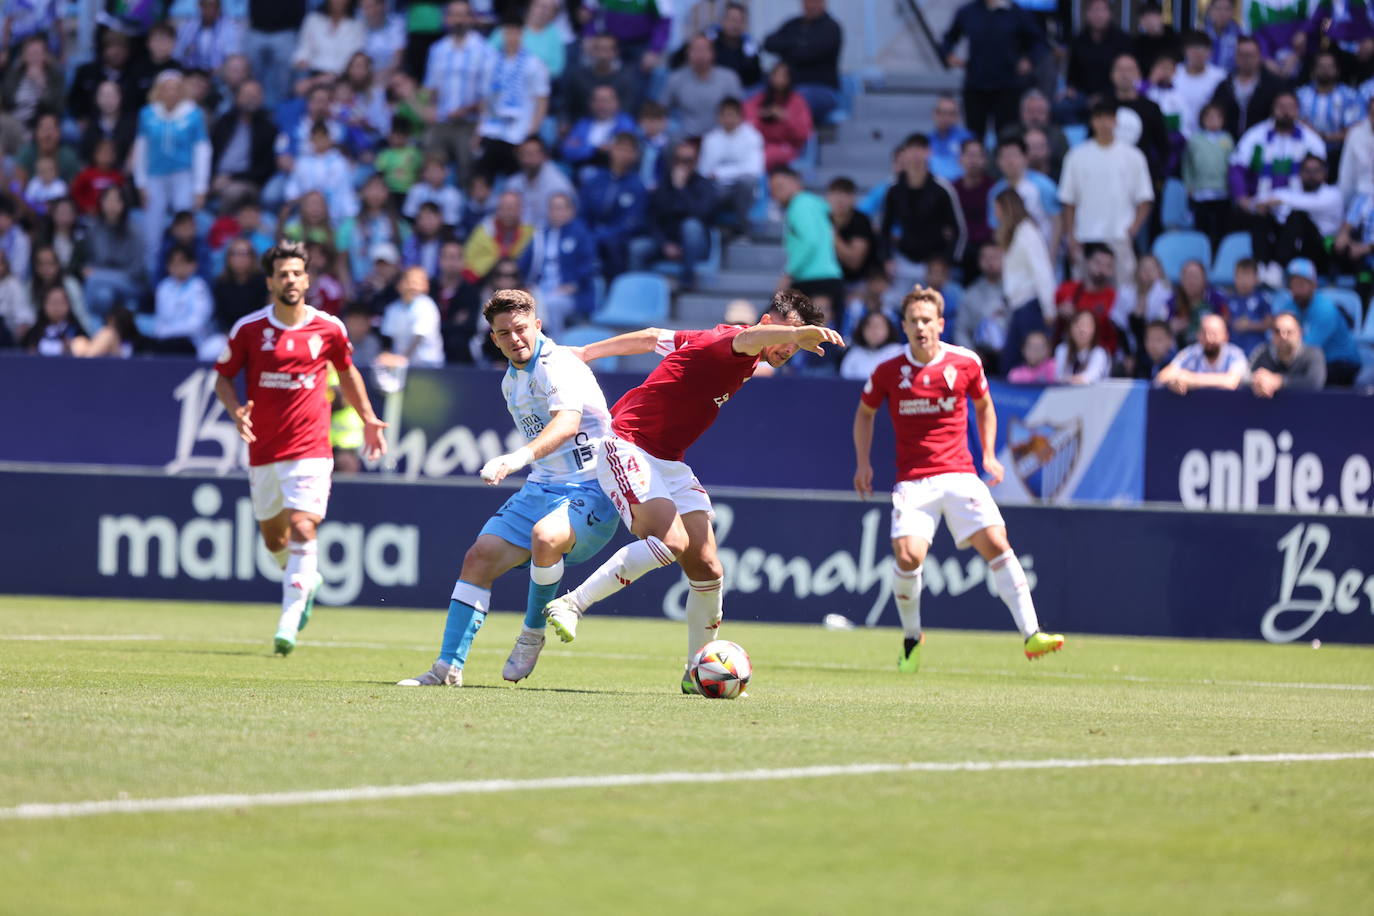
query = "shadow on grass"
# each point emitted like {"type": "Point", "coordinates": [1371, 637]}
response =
{"type": "Point", "coordinates": [513, 689]}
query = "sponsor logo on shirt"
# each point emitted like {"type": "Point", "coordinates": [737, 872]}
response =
{"type": "Point", "coordinates": [286, 381]}
{"type": "Point", "coordinates": [924, 406]}
{"type": "Point", "coordinates": [269, 342]}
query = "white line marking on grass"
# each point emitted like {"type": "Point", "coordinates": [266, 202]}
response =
{"type": "Point", "coordinates": [76, 637]}
{"type": "Point", "coordinates": [624, 780]}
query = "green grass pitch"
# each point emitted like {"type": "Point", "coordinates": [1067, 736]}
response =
{"type": "Point", "coordinates": [150, 700]}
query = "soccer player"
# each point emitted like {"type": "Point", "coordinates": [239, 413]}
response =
{"type": "Point", "coordinates": [559, 515]}
{"type": "Point", "coordinates": [926, 389]}
{"type": "Point", "coordinates": [283, 349]}
{"type": "Point", "coordinates": [642, 467]}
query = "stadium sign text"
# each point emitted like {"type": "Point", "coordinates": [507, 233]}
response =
{"type": "Point", "coordinates": [1308, 589]}
{"type": "Point", "coordinates": [1231, 479]}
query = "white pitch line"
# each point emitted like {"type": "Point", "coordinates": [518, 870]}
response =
{"type": "Point", "coordinates": [644, 657]}
{"type": "Point", "coordinates": [624, 780]}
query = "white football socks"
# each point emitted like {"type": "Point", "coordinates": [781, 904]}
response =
{"type": "Point", "coordinates": [704, 611]}
{"type": "Point", "coordinates": [1014, 591]}
{"type": "Point", "coordinates": [906, 591]}
{"type": "Point", "coordinates": [280, 557]}
{"type": "Point", "coordinates": [301, 566]}
{"type": "Point", "coordinates": [625, 566]}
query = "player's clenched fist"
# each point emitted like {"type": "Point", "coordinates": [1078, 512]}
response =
{"type": "Point", "coordinates": [500, 467]}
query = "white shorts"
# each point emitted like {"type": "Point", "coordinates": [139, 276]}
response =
{"type": "Point", "coordinates": [963, 499]}
{"type": "Point", "coordinates": [302, 484]}
{"type": "Point", "coordinates": [630, 476]}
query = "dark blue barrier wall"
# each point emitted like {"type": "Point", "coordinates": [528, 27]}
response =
{"type": "Point", "coordinates": [787, 558]}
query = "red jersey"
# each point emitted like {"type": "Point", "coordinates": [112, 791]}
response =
{"type": "Point", "coordinates": [681, 397]}
{"type": "Point", "coordinates": [1101, 303]}
{"type": "Point", "coordinates": [287, 381]}
{"type": "Point", "coordinates": [929, 408]}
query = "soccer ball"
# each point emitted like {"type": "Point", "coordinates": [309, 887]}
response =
{"type": "Point", "coordinates": [721, 669]}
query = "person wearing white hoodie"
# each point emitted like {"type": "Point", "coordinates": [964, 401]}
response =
{"type": "Point", "coordinates": [732, 156]}
{"type": "Point", "coordinates": [170, 159]}
{"type": "Point", "coordinates": [182, 306]}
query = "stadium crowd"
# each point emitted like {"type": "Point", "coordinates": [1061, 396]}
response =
{"type": "Point", "coordinates": [1111, 204]}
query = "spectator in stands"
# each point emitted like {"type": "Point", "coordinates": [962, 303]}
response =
{"type": "Point", "coordinates": [35, 81]}
{"type": "Point", "coordinates": [94, 179]}
{"type": "Point", "coordinates": [171, 158]}
{"type": "Point", "coordinates": [940, 277]}
{"type": "Point", "coordinates": [241, 288]}
{"type": "Point", "coordinates": [1139, 120]}
{"type": "Point", "coordinates": [1157, 351]}
{"type": "Point", "coordinates": [227, 80]}
{"type": "Point", "coordinates": [361, 105]}
{"type": "Point", "coordinates": [1354, 242]}
{"type": "Point", "coordinates": [856, 244]}
{"type": "Point", "coordinates": [1206, 166]}
{"type": "Point", "coordinates": [115, 265]}
{"type": "Point", "coordinates": [57, 332]}
{"type": "Point", "coordinates": [1247, 308]}
{"type": "Point", "coordinates": [270, 42]}
{"type": "Point", "coordinates": [600, 66]}
{"type": "Point", "coordinates": [378, 288]}
{"type": "Point", "coordinates": [614, 203]}
{"type": "Point", "coordinates": [1035, 115]}
{"type": "Point", "coordinates": [514, 104]}
{"type": "Point", "coordinates": [873, 343]}
{"type": "Point", "coordinates": [589, 141]}
{"type": "Point", "coordinates": [324, 169]}
{"type": "Point", "coordinates": [422, 247]}
{"type": "Point", "coordinates": [182, 307]}
{"type": "Point", "coordinates": [1037, 191]}
{"type": "Point", "coordinates": [312, 224]}
{"type": "Point", "coordinates": [679, 213]}
{"type": "Point", "coordinates": [1323, 325]}
{"type": "Point", "coordinates": [639, 26]}
{"type": "Point", "coordinates": [108, 121]}
{"type": "Point", "coordinates": [384, 36]}
{"type": "Point", "coordinates": [376, 222]}
{"type": "Point", "coordinates": [112, 66]}
{"type": "Point", "coordinates": [243, 141]}
{"type": "Point", "coordinates": [45, 270]}
{"type": "Point", "coordinates": [1106, 192]}
{"type": "Point", "coordinates": [1080, 359]}
{"type": "Point", "coordinates": [1037, 365]}
{"type": "Point", "coordinates": [1356, 168]}
{"type": "Point", "coordinates": [1096, 292]}
{"type": "Point", "coordinates": [184, 231]}
{"type": "Point", "coordinates": [1193, 299]}
{"type": "Point", "coordinates": [367, 346]}
{"type": "Point", "coordinates": [1039, 154]}
{"type": "Point", "coordinates": [162, 41]}
{"type": "Point", "coordinates": [434, 189]}
{"type": "Point", "coordinates": [653, 129]}
{"type": "Point", "coordinates": [16, 308]}
{"type": "Point", "coordinates": [1147, 301]}
{"type": "Point", "coordinates": [875, 295]}
{"type": "Point", "coordinates": [921, 216]}
{"type": "Point", "coordinates": [973, 189]}
{"type": "Point", "coordinates": [457, 301]}
{"type": "Point", "coordinates": [478, 203]}
{"type": "Point", "coordinates": [810, 46]}
{"type": "Point", "coordinates": [1224, 33]}
{"type": "Point", "coordinates": [1197, 80]}
{"type": "Point", "coordinates": [1286, 362]}
{"type": "Point", "coordinates": [537, 180]}
{"type": "Point", "coordinates": [544, 37]}
{"type": "Point", "coordinates": [66, 235]}
{"type": "Point", "coordinates": [295, 138]}
{"type": "Point", "coordinates": [400, 163]}
{"type": "Point", "coordinates": [781, 116]}
{"type": "Point", "coordinates": [328, 38]}
{"type": "Point", "coordinates": [1212, 362]}
{"type": "Point", "coordinates": [1153, 39]}
{"type": "Point", "coordinates": [947, 139]}
{"type": "Point", "coordinates": [808, 239]}
{"type": "Point", "coordinates": [732, 157]}
{"type": "Point", "coordinates": [326, 292]}
{"type": "Point", "coordinates": [560, 266]}
{"type": "Point", "coordinates": [411, 323]}
{"type": "Point", "coordinates": [47, 141]}
{"type": "Point", "coordinates": [1092, 53]}
{"type": "Point", "coordinates": [694, 91]}
{"type": "Point", "coordinates": [45, 186]}
{"type": "Point", "coordinates": [734, 47]}
{"type": "Point", "coordinates": [1027, 274]}
{"type": "Point", "coordinates": [204, 42]}
{"type": "Point", "coordinates": [1304, 217]}
{"type": "Point", "coordinates": [458, 72]}
{"type": "Point", "coordinates": [1329, 106]}
{"type": "Point", "coordinates": [502, 236]}
{"type": "Point", "coordinates": [984, 313]}
{"type": "Point", "coordinates": [1004, 44]}
{"type": "Point", "coordinates": [1262, 164]}
{"type": "Point", "coordinates": [1247, 97]}
{"type": "Point", "coordinates": [14, 241]}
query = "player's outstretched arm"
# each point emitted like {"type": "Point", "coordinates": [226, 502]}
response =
{"type": "Point", "coordinates": [753, 341]}
{"type": "Point", "coordinates": [355, 393]}
{"type": "Point", "coordinates": [863, 447]}
{"type": "Point", "coordinates": [563, 425]}
{"type": "Point", "coordinates": [986, 417]}
{"type": "Point", "coordinates": [241, 414]}
{"type": "Point", "coordinates": [634, 343]}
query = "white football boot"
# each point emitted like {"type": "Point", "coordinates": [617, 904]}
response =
{"type": "Point", "coordinates": [442, 674]}
{"type": "Point", "coordinates": [563, 616]}
{"type": "Point", "coordinates": [524, 655]}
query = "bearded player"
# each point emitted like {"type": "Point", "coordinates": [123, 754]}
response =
{"type": "Point", "coordinates": [642, 467]}
{"type": "Point", "coordinates": [283, 349]}
{"type": "Point", "coordinates": [927, 390]}
{"type": "Point", "coordinates": [559, 512]}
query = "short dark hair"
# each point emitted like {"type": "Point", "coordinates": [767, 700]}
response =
{"type": "Point", "coordinates": [728, 102]}
{"type": "Point", "coordinates": [508, 300]}
{"type": "Point", "coordinates": [1247, 40]}
{"type": "Point", "coordinates": [923, 294]}
{"type": "Point", "coordinates": [1095, 248]}
{"type": "Point", "coordinates": [784, 170]}
{"type": "Point", "coordinates": [652, 110]}
{"type": "Point", "coordinates": [430, 206]}
{"type": "Point", "coordinates": [971, 140]}
{"type": "Point", "coordinates": [185, 252]}
{"type": "Point", "coordinates": [537, 141]}
{"type": "Point", "coordinates": [1159, 324]}
{"type": "Point", "coordinates": [1246, 264]}
{"type": "Point", "coordinates": [843, 185]}
{"type": "Point", "coordinates": [791, 303]}
{"type": "Point", "coordinates": [1102, 107]}
{"type": "Point", "coordinates": [283, 251]}
{"type": "Point", "coordinates": [1014, 142]}
{"type": "Point", "coordinates": [916, 139]}
{"type": "Point", "coordinates": [164, 28]}
{"type": "Point", "coordinates": [625, 136]}
{"type": "Point", "coordinates": [1195, 38]}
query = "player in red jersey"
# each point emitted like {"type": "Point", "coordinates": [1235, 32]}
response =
{"type": "Point", "coordinates": [283, 349]}
{"type": "Point", "coordinates": [927, 390]}
{"type": "Point", "coordinates": [641, 465]}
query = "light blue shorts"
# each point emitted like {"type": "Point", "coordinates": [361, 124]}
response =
{"type": "Point", "coordinates": [593, 518]}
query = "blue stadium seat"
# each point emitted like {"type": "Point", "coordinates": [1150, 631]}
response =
{"type": "Point", "coordinates": [1075, 134]}
{"type": "Point", "coordinates": [585, 334]}
{"type": "Point", "coordinates": [1349, 302]}
{"type": "Point", "coordinates": [707, 268]}
{"type": "Point", "coordinates": [1366, 336]}
{"type": "Point", "coordinates": [1176, 248]}
{"type": "Point", "coordinates": [1234, 247]}
{"type": "Point", "coordinates": [1174, 207]}
{"type": "Point", "coordinates": [635, 300]}
{"type": "Point", "coordinates": [851, 87]}
{"type": "Point", "coordinates": [810, 158]}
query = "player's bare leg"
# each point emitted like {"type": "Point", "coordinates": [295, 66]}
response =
{"type": "Point", "coordinates": [908, 561]}
{"type": "Point", "coordinates": [663, 538]}
{"type": "Point", "coordinates": [487, 559]}
{"type": "Point", "coordinates": [550, 540]}
{"type": "Point", "coordinates": [1010, 580]}
{"type": "Point", "coordinates": [294, 530]}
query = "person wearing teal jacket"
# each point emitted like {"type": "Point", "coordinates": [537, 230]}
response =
{"type": "Point", "coordinates": [1323, 325]}
{"type": "Point", "coordinates": [809, 239]}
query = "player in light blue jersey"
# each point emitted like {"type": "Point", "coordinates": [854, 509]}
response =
{"type": "Point", "coordinates": [559, 515]}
